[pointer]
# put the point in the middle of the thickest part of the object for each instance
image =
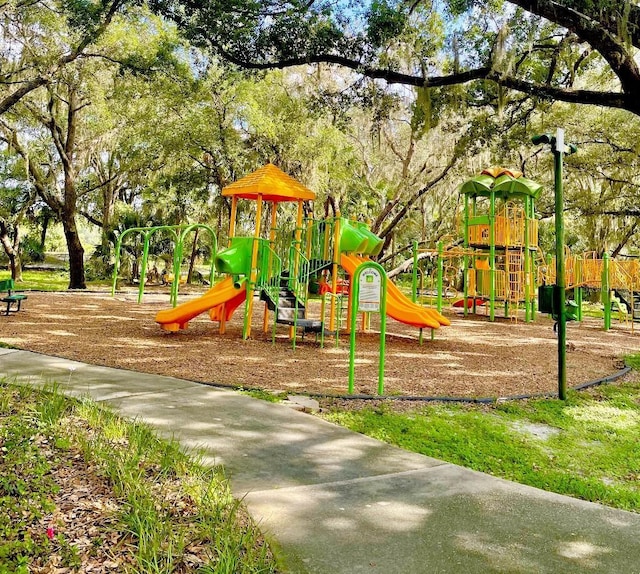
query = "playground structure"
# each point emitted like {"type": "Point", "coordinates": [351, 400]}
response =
{"type": "Point", "coordinates": [500, 245]}
{"type": "Point", "coordinates": [281, 265]}
{"type": "Point", "coordinates": [500, 260]}
{"type": "Point", "coordinates": [178, 233]}
{"type": "Point", "coordinates": [503, 238]}
{"type": "Point", "coordinates": [617, 280]}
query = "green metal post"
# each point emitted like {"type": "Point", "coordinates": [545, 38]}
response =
{"type": "Point", "coordinates": [606, 292]}
{"type": "Point", "coordinates": [383, 333]}
{"type": "Point", "coordinates": [559, 149]}
{"type": "Point", "coordinates": [414, 278]}
{"type": "Point", "coordinates": [115, 266]}
{"type": "Point", "coordinates": [527, 264]}
{"type": "Point", "coordinates": [440, 275]}
{"type": "Point", "coordinates": [558, 153]}
{"type": "Point", "coordinates": [492, 256]}
{"type": "Point", "coordinates": [143, 265]}
{"type": "Point", "coordinates": [533, 266]}
{"type": "Point", "coordinates": [177, 263]}
{"type": "Point", "coordinates": [465, 259]}
{"type": "Point", "coordinates": [353, 320]}
{"type": "Point", "coordinates": [577, 290]}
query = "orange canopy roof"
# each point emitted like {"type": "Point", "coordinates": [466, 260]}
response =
{"type": "Point", "coordinates": [270, 182]}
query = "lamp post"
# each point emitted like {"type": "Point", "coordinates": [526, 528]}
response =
{"type": "Point", "coordinates": [559, 150]}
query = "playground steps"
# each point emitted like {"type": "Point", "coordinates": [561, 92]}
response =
{"type": "Point", "coordinates": [290, 311]}
{"type": "Point", "coordinates": [624, 295]}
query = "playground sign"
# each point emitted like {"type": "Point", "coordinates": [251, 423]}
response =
{"type": "Point", "coordinates": [370, 293]}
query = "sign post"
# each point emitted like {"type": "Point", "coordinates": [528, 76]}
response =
{"type": "Point", "coordinates": [369, 295]}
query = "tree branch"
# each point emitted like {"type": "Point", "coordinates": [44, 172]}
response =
{"type": "Point", "coordinates": [609, 99]}
{"type": "Point", "coordinates": [594, 28]}
{"type": "Point", "coordinates": [90, 218]}
{"type": "Point", "coordinates": [398, 217]}
{"type": "Point", "coordinates": [40, 80]}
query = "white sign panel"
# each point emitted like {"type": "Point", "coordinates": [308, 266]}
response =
{"type": "Point", "coordinates": [370, 291]}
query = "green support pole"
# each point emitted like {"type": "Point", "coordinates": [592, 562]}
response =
{"type": "Point", "coordinates": [353, 319]}
{"type": "Point", "coordinates": [527, 264]}
{"type": "Point", "coordinates": [492, 256]}
{"type": "Point", "coordinates": [383, 335]}
{"type": "Point", "coordinates": [414, 277]}
{"type": "Point", "coordinates": [532, 213]}
{"type": "Point", "coordinates": [559, 149]}
{"type": "Point", "coordinates": [177, 263]}
{"type": "Point", "coordinates": [116, 264]}
{"type": "Point", "coordinates": [440, 276]}
{"type": "Point", "coordinates": [465, 258]}
{"type": "Point", "coordinates": [143, 265]}
{"type": "Point", "coordinates": [606, 292]}
{"type": "Point", "coordinates": [577, 290]}
{"type": "Point", "coordinates": [558, 153]}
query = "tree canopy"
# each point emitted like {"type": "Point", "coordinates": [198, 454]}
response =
{"type": "Point", "coordinates": [109, 117]}
{"type": "Point", "coordinates": [578, 51]}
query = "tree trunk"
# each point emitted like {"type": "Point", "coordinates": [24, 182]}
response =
{"type": "Point", "coordinates": [12, 249]}
{"type": "Point", "coordinates": [43, 232]}
{"type": "Point", "coordinates": [108, 203]}
{"type": "Point", "coordinates": [76, 252]}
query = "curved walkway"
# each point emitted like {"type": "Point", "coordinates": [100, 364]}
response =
{"type": "Point", "coordinates": [338, 502]}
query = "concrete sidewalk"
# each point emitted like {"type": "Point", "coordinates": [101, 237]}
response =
{"type": "Point", "coordinates": [339, 502]}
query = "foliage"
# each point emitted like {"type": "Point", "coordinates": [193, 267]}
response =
{"type": "Point", "coordinates": [32, 249]}
{"type": "Point", "coordinates": [162, 126]}
{"type": "Point", "coordinates": [26, 487]}
{"type": "Point", "coordinates": [542, 49]}
{"type": "Point", "coordinates": [169, 507]}
{"type": "Point", "coordinates": [586, 447]}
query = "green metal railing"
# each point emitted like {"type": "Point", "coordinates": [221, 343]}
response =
{"type": "Point", "coordinates": [317, 238]}
{"type": "Point", "coordinates": [323, 311]}
{"type": "Point", "coordinates": [268, 281]}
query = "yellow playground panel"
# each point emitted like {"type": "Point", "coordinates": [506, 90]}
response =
{"type": "Point", "coordinates": [589, 270]}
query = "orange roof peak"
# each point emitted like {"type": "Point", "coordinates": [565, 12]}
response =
{"type": "Point", "coordinates": [271, 183]}
{"type": "Point", "coordinates": [496, 172]}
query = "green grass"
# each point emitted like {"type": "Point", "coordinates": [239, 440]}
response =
{"type": "Point", "coordinates": [48, 281]}
{"type": "Point", "coordinates": [592, 451]}
{"type": "Point", "coordinates": [269, 396]}
{"type": "Point", "coordinates": [167, 503]}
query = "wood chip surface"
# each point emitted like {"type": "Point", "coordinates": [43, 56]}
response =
{"type": "Point", "coordinates": [471, 358]}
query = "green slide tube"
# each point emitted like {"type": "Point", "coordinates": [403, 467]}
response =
{"type": "Point", "coordinates": [352, 240]}
{"type": "Point", "coordinates": [236, 260]}
{"type": "Point", "coordinates": [374, 243]}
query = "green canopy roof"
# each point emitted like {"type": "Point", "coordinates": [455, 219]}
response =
{"type": "Point", "coordinates": [503, 183]}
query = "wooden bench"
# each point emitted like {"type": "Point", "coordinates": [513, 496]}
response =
{"type": "Point", "coordinates": [11, 298]}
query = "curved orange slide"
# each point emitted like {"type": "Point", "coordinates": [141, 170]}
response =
{"type": "Point", "coordinates": [214, 299]}
{"type": "Point", "coordinates": [400, 307]}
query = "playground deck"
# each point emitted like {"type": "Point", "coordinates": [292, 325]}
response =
{"type": "Point", "coordinates": [471, 358]}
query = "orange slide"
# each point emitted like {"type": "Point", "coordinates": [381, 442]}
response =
{"type": "Point", "coordinates": [400, 307]}
{"type": "Point", "coordinates": [213, 301]}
